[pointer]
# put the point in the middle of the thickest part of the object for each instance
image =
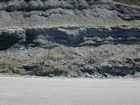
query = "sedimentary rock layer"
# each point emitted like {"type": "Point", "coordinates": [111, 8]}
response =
{"type": "Point", "coordinates": [70, 36]}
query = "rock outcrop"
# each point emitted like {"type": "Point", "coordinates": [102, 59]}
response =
{"type": "Point", "coordinates": [28, 5]}
{"type": "Point", "coordinates": [72, 38]}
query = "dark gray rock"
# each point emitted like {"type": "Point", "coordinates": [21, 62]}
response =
{"type": "Point", "coordinates": [11, 37]}
{"type": "Point", "coordinates": [64, 35]}
{"type": "Point", "coordinates": [35, 4]}
{"type": "Point", "coordinates": [16, 5]}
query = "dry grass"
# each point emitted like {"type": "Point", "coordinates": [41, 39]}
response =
{"type": "Point", "coordinates": [11, 66]}
{"type": "Point", "coordinates": [46, 70]}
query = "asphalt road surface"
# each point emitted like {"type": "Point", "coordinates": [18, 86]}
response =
{"type": "Point", "coordinates": [58, 91]}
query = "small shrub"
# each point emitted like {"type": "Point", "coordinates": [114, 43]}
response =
{"type": "Point", "coordinates": [9, 66]}
{"type": "Point", "coordinates": [46, 70]}
{"type": "Point", "coordinates": [47, 57]}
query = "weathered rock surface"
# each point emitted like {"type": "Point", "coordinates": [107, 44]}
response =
{"type": "Point", "coordinates": [85, 39]}
{"type": "Point", "coordinates": [70, 36]}
{"type": "Point", "coordinates": [97, 14]}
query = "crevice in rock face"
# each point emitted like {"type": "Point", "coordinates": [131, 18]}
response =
{"type": "Point", "coordinates": [7, 39]}
{"type": "Point", "coordinates": [7, 42]}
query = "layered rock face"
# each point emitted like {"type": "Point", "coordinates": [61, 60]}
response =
{"type": "Point", "coordinates": [71, 38]}
{"type": "Point", "coordinates": [28, 5]}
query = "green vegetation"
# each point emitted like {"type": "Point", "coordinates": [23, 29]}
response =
{"type": "Point", "coordinates": [10, 65]}
{"type": "Point", "coordinates": [46, 58]}
{"type": "Point", "coordinates": [47, 65]}
{"type": "Point", "coordinates": [46, 70]}
{"type": "Point", "coordinates": [61, 54]}
{"type": "Point", "coordinates": [40, 65]}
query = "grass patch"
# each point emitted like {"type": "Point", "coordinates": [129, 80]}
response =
{"type": "Point", "coordinates": [10, 66]}
{"type": "Point", "coordinates": [47, 57]}
{"type": "Point", "coordinates": [47, 70]}
{"type": "Point", "coordinates": [61, 54]}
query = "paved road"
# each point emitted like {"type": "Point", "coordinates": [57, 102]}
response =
{"type": "Point", "coordinates": [44, 91]}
